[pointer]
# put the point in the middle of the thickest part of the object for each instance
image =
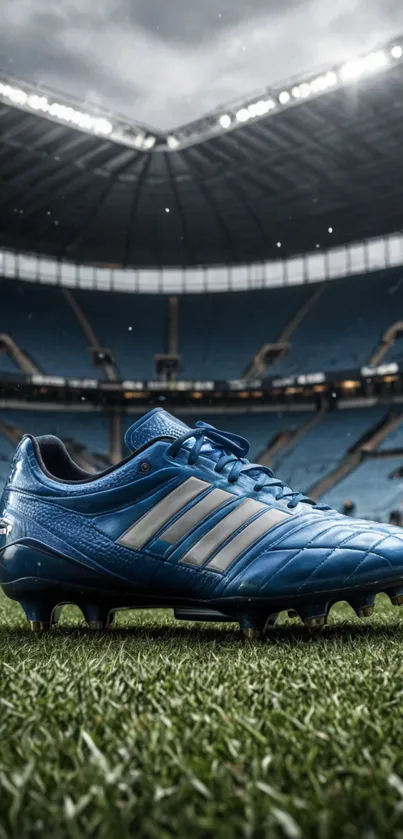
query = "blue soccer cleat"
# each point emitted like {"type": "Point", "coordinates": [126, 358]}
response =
{"type": "Point", "coordinates": [184, 522]}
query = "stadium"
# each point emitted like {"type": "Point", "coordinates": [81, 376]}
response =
{"type": "Point", "coordinates": [245, 269]}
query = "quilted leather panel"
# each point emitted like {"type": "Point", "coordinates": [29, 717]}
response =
{"type": "Point", "coordinates": [321, 557]}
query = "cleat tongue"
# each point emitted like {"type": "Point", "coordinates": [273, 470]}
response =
{"type": "Point", "coordinates": [157, 423]}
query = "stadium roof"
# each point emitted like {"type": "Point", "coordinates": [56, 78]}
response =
{"type": "Point", "coordinates": [314, 162]}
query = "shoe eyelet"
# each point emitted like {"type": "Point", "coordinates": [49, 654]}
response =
{"type": "Point", "coordinates": [145, 467]}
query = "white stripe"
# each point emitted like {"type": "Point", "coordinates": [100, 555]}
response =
{"type": "Point", "coordinates": [251, 533]}
{"type": "Point", "coordinates": [222, 531]}
{"type": "Point", "coordinates": [144, 529]}
{"type": "Point", "coordinates": [195, 515]}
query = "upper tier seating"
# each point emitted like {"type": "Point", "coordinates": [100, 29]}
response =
{"type": "Point", "coordinates": [345, 325]}
{"type": "Point", "coordinates": [38, 318]}
{"type": "Point", "coordinates": [133, 326]}
{"type": "Point", "coordinates": [219, 334]}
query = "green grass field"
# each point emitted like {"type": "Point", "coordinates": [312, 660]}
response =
{"type": "Point", "coordinates": [160, 729]}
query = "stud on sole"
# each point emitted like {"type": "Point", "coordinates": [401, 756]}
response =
{"type": "Point", "coordinates": [365, 612]}
{"type": "Point", "coordinates": [314, 623]}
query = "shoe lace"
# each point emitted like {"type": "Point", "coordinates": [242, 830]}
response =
{"type": "Point", "coordinates": [235, 448]}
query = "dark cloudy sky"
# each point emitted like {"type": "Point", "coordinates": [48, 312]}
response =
{"type": "Point", "coordinates": [168, 61]}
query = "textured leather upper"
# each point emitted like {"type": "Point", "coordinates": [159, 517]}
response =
{"type": "Point", "coordinates": [310, 550]}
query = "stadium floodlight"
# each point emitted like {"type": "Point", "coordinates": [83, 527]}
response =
{"type": "Point", "coordinates": [243, 115]}
{"type": "Point", "coordinates": [137, 141]}
{"type": "Point", "coordinates": [149, 142]}
{"type": "Point", "coordinates": [284, 97]}
{"type": "Point", "coordinates": [323, 83]}
{"type": "Point", "coordinates": [225, 121]}
{"type": "Point", "coordinates": [305, 90]}
{"type": "Point", "coordinates": [62, 113]}
{"type": "Point", "coordinates": [316, 86]}
{"type": "Point", "coordinates": [261, 107]}
{"type": "Point", "coordinates": [172, 142]}
{"type": "Point", "coordinates": [396, 51]}
{"type": "Point", "coordinates": [359, 67]}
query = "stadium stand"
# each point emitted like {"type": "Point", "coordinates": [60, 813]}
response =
{"type": "Point", "coordinates": [7, 365]}
{"type": "Point", "coordinates": [39, 321]}
{"type": "Point", "coordinates": [323, 446]}
{"type": "Point", "coordinates": [213, 341]}
{"type": "Point", "coordinates": [393, 440]}
{"type": "Point", "coordinates": [346, 324]}
{"type": "Point", "coordinates": [133, 326]}
{"type": "Point", "coordinates": [6, 452]}
{"type": "Point", "coordinates": [372, 487]}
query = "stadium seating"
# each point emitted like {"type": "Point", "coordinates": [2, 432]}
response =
{"type": "Point", "coordinates": [319, 451]}
{"type": "Point", "coordinates": [7, 364]}
{"type": "Point", "coordinates": [394, 353]}
{"type": "Point", "coordinates": [371, 487]}
{"type": "Point", "coordinates": [346, 324]}
{"type": "Point", "coordinates": [393, 441]}
{"type": "Point", "coordinates": [219, 334]}
{"type": "Point", "coordinates": [39, 320]}
{"type": "Point", "coordinates": [133, 326]}
{"type": "Point", "coordinates": [6, 453]}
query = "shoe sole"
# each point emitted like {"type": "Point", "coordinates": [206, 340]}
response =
{"type": "Point", "coordinates": [43, 597]}
{"type": "Point", "coordinates": [43, 601]}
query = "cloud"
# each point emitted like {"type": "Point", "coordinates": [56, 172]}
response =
{"type": "Point", "coordinates": [168, 63]}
